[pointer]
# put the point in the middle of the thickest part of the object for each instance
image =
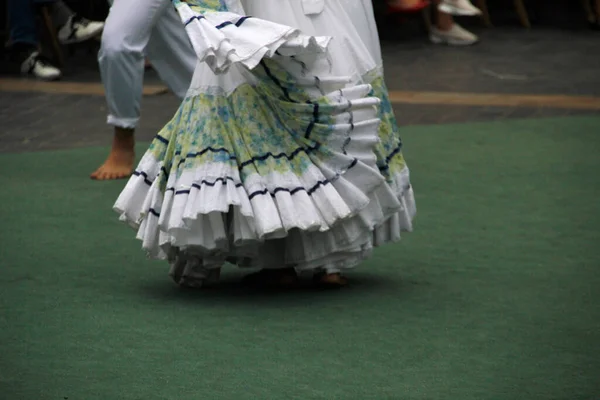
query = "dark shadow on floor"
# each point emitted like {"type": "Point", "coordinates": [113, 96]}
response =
{"type": "Point", "coordinates": [230, 290]}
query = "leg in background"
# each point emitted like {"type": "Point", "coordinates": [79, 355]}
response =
{"type": "Point", "coordinates": [594, 15]}
{"type": "Point", "coordinates": [446, 31]}
{"type": "Point", "coordinates": [125, 42]}
{"type": "Point", "coordinates": [24, 43]}
{"type": "Point", "coordinates": [458, 7]}
{"type": "Point", "coordinates": [21, 18]}
{"type": "Point", "coordinates": [443, 21]}
{"type": "Point", "coordinates": [522, 13]}
{"type": "Point", "coordinates": [121, 59]}
{"type": "Point", "coordinates": [171, 54]}
{"type": "Point", "coordinates": [73, 28]}
{"type": "Point", "coordinates": [485, 14]}
{"type": "Point", "coordinates": [61, 13]}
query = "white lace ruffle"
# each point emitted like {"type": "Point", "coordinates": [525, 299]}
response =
{"type": "Point", "coordinates": [222, 39]}
{"type": "Point", "coordinates": [338, 250]}
{"type": "Point", "coordinates": [209, 208]}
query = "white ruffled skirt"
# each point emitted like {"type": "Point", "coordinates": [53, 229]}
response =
{"type": "Point", "coordinates": [283, 153]}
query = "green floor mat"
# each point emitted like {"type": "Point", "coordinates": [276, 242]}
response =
{"type": "Point", "coordinates": [494, 296]}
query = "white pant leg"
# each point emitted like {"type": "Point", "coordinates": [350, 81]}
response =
{"type": "Point", "coordinates": [133, 29]}
{"type": "Point", "coordinates": [171, 53]}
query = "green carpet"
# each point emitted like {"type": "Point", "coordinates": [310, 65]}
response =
{"type": "Point", "coordinates": [494, 296]}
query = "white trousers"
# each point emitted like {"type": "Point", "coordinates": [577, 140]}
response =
{"type": "Point", "coordinates": [136, 29]}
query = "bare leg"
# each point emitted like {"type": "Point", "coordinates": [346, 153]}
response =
{"type": "Point", "coordinates": [589, 12]}
{"type": "Point", "coordinates": [61, 13]}
{"type": "Point", "coordinates": [443, 21]}
{"type": "Point", "coordinates": [135, 29]}
{"type": "Point", "coordinates": [119, 163]}
{"type": "Point", "coordinates": [404, 3]}
{"type": "Point", "coordinates": [592, 12]}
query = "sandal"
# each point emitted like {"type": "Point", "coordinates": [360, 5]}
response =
{"type": "Point", "coordinates": [330, 281]}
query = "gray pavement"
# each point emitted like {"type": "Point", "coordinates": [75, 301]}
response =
{"type": "Point", "coordinates": [508, 60]}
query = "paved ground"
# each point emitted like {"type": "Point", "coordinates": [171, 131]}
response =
{"type": "Point", "coordinates": [508, 60]}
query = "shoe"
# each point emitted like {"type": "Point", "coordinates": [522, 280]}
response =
{"type": "Point", "coordinates": [38, 66]}
{"type": "Point", "coordinates": [78, 29]}
{"type": "Point", "coordinates": [455, 36]}
{"type": "Point", "coordinates": [459, 7]}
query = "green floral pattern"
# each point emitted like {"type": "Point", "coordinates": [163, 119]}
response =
{"type": "Point", "coordinates": [204, 6]}
{"type": "Point", "coordinates": [260, 127]}
{"type": "Point", "coordinates": [389, 155]}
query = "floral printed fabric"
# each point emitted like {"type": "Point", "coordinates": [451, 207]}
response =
{"type": "Point", "coordinates": [204, 6]}
{"type": "Point", "coordinates": [288, 152]}
{"type": "Point", "coordinates": [260, 128]}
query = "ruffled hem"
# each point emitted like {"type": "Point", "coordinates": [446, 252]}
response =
{"type": "Point", "coordinates": [338, 250]}
{"type": "Point", "coordinates": [225, 233]}
{"type": "Point", "coordinates": [210, 207]}
{"type": "Point", "coordinates": [223, 38]}
{"type": "Point", "coordinates": [281, 169]}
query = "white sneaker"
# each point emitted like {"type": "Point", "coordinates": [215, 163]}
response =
{"type": "Point", "coordinates": [38, 66]}
{"type": "Point", "coordinates": [455, 36]}
{"type": "Point", "coordinates": [459, 7]}
{"type": "Point", "coordinates": [79, 29]}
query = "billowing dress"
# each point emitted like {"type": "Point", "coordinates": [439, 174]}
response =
{"type": "Point", "coordinates": [285, 151]}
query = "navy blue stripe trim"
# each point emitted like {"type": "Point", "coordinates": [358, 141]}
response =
{"type": "Point", "coordinates": [198, 186]}
{"type": "Point", "coordinates": [162, 139]}
{"type": "Point", "coordinates": [238, 23]}
{"type": "Point", "coordinates": [244, 164]}
{"type": "Point", "coordinates": [143, 175]}
{"type": "Point", "coordinates": [224, 24]}
{"type": "Point", "coordinates": [286, 94]}
{"type": "Point", "coordinates": [252, 195]}
{"type": "Point", "coordinates": [393, 153]}
{"type": "Point", "coordinates": [309, 129]}
{"type": "Point", "coordinates": [195, 17]}
{"type": "Point", "coordinates": [290, 191]}
{"type": "Point", "coordinates": [314, 121]}
{"type": "Point", "coordinates": [204, 151]}
{"type": "Point", "coordinates": [389, 158]}
{"type": "Point", "coordinates": [352, 164]}
{"type": "Point", "coordinates": [280, 155]}
{"type": "Point", "coordinates": [242, 20]}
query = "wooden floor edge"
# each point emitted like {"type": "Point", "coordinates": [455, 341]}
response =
{"type": "Point", "coordinates": [82, 88]}
{"type": "Point", "coordinates": [495, 100]}
{"type": "Point", "coordinates": [396, 97]}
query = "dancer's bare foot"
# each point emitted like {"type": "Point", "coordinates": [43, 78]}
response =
{"type": "Point", "coordinates": [119, 163]}
{"type": "Point", "coordinates": [332, 281]}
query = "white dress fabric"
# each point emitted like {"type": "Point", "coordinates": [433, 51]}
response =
{"type": "Point", "coordinates": [283, 152]}
{"type": "Point", "coordinates": [355, 50]}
